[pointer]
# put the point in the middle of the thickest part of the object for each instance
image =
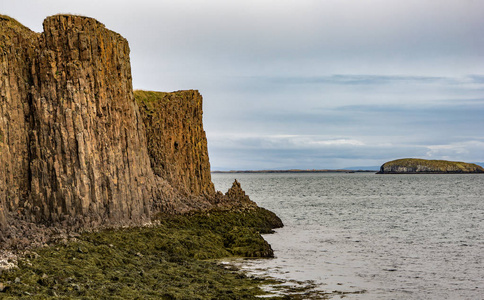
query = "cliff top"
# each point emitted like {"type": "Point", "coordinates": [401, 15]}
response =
{"type": "Point", "coordinates": [11, 22]}
{"type": "Point", "coordinates": [148, 97]}
{"type": "Point", "coordinates": [9, 28]}
{"type": "Point", "coordinates": [4, 19]}
{"type": "Point", "coordinates": [74, 19]}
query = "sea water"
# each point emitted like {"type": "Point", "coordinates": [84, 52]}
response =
{"type": "Point", "coordinates": [373, 236]}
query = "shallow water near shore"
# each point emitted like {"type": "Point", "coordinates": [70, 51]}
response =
{"type": "Point", "coordinates": [373, 236]}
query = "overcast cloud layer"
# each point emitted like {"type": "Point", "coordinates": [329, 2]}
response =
{"type": "Point", "coordinates": [308, 83]}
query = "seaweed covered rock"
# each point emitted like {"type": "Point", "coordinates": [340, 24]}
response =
{"type": "Point", "coordinates": [164, 261]}
{"type": "Point", "coordinates": [423, 166]}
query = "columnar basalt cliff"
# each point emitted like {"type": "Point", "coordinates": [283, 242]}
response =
{"type": "Point", "coordinates": [423, 166]}
{"type": "Point", "coordinates": [70, 125]}
{"type": "Point", "coordinates": [177, 144]}
{"type": "Point", "coordinates": [75, 149]}
{"type": "Point", "coordinates": [16, 46]}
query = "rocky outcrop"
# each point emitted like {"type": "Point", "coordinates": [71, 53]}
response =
{"type": "Point", "coordinates": [77, 149]}
{"type": "Point", "coordinates": [78, 146]}
{"type": "Point", "coordinates": [16, 42]}
{"type": "Point", "coordinates": [236, 193]}
{"type": "Point", "coordinates": [423, 166]}
{"type": "Point", "coordinates": [177, 144]}
{"type": "Point", "coordinates": [88, 154]}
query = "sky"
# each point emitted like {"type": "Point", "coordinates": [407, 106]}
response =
{"type": "Point", "coordinates": [308, 84]}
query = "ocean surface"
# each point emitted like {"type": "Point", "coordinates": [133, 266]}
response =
{"type": "Point", "coordinates": [373, 236]}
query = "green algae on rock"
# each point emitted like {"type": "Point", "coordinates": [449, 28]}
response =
{"type": "Point", "coordinates": [170, 260]}
{"type": "Point", "coordinates": [424, 166]}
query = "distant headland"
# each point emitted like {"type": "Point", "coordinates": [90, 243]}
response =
{"type": "Point", "coordinates": [424, 166]}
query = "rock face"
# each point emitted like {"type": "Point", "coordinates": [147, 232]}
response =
{"type": "Point", "coordinates": [16, 42]}
{"type": "Point", "coordinates": [75, 149]}
{"type": "Point", "coordinates": [77, 145]}
{"type": "Point", "coordinates": [177, 144]}
{"type": "Point", "coordinates": [422, 166]}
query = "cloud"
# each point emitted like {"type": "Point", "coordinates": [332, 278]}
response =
{"type": "Point", "coordinates": [287, 83]}
{"type": "Point", "coordinates": [399, 116]}
{"type": "Point", "coordinates": [469, 151]}
{"type": "Point", "coordinates": [316, 152]}
{"type": "Point", "coordinates": [281, 141]}
{"type": "Point", "coordinates": [305, 152]}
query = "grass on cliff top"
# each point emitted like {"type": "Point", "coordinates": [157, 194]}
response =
{"type": "Point", "coordinates": [12, 22]}
{"type": "Point", "coordinates": [166, 261]}
{"type": "Point", "coordinates": [148, 98]}
{"type": "Point", "coordinates": [435, 164]}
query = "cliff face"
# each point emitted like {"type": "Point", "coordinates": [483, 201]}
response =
{"type": "Point", "coordinates": [75, 149]}
{"type": "Point", "coordinates": [87, 151]}
{"type": "Point", "coordinates": [177, 144]}
{"type": "Point", "coordinates": [17, 46]}
{"type": "Point", "coordinates": [414, 166]}
{"type": "Point", "coordinates": [74, 146]}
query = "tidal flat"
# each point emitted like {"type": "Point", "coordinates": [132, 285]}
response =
{"type": "Point", "coordinates": [175, 258]}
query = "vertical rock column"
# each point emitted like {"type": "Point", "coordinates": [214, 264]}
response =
{"type": "Point", "coordinates": [89, 164]}
{"type": "Point", "coordinates": [17, 45]}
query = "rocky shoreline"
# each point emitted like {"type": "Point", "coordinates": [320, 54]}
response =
{"type": "Point", "coordinates": [166, 250]}
{"type": "Point", "coordinates": [170, 259]}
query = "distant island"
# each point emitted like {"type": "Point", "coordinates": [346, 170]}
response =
{"type": "Point", "coordinates": [424, 166]}
{"type": "Point", "coordinates": [296, 171]}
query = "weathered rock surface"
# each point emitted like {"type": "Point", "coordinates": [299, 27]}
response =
{"type": "Point", "coordinates": [16, 42]}
{"type": "Point", "coordinates": [177, 144]}
{"type": "Point", "coordinates": [76, 151]}
{"type": "Point", "coordinates": [77, 146]}
{"type": "Point", "coordinates": [423, 166]}
{"type": "Point", "coordinates": [236, 193]}
{"type": "Point", "coordinates": [87, 133]}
